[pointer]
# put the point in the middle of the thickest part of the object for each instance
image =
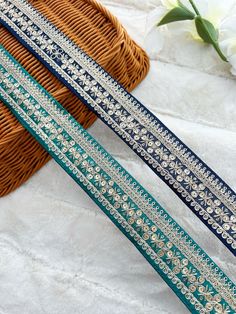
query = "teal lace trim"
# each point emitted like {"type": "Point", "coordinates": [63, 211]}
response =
{"type": "Point", "coordinates": [185, 267]}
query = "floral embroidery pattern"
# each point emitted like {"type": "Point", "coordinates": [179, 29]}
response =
{"type": "Point", "coordinates": [183, 265]}
{"type": "Point", "coordinates": [196, 184]}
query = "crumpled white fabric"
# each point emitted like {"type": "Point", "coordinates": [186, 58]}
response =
{"type": "Point", "coordinates": [60, 254]}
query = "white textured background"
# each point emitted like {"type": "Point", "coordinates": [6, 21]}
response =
{"type": "Point", "coordinates": [59, 254]}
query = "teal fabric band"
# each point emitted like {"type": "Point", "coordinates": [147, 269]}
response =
{"type": "Point", "coordinates": [185, 267]}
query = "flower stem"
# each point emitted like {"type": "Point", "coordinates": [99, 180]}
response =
{"type": "Point", "coordinates": [220, 53]}
{"type": "Point", "coordinates": [215, 44]}
{"type": "Point", "coordinates": [194, 7]}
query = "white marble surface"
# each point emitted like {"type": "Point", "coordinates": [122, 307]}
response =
{"type": "Point", "coordinates": [59, 254]}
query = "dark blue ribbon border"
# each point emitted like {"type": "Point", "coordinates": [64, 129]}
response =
{"type": "Point", "coordinates": [225, 190]}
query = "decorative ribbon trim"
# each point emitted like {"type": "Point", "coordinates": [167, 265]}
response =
{"type": "Point", "coordinates": [207, 195]}
{"type": "Point", "coordinates": [185, 267]}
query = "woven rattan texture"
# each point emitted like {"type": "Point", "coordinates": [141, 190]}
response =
{"type": "Point", "coordinates": [100, 34]}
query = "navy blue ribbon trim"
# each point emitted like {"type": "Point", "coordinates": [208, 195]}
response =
{"type": "Point", "coordinates": [199, 187]}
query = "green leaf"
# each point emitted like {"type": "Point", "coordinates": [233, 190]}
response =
{"type": "Point", "coordinates": [177, 14]}
{"type": "Point", "coordinates": [206, 30]}
{"type": "Point", "coordinates": [209, 34]}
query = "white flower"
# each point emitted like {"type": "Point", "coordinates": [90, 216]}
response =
{"type": "Point", "coordinates": [169, 4]}
{"type": "Point", "coordinates": [216, 11]}
{"type": "Point", "coordinates": [154, 39]}
{"type": "Point", "coordinates": [227, 41]}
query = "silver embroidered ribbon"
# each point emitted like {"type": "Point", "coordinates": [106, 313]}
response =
{"type": "Point", "coordinates": [185, 267]}
{"type": "Point", "coordinates": [207, 195]}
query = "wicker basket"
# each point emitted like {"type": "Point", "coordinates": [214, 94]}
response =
{"type": "Point", "coordinates": [100, 34]}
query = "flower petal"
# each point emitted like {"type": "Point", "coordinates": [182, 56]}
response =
{"type": "Point", "coordinates": [154, 41]}
{"type": "Point", "coordinates": [154, 17]}
{"type": "Point", "coordinates": [169, 4]}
